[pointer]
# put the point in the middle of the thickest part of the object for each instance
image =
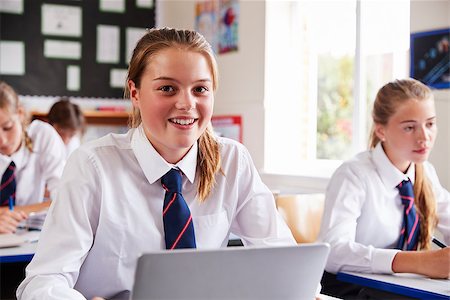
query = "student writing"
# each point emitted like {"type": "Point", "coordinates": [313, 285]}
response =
{"type": "Point", "coordinates": [31, 157]}
{"type": "Point", "coordinates": [111, 204]}
{"type": "Point", "coordinates": [386, 202]}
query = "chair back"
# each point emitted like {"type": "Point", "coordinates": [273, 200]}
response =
{"type": "Point", "coordinates": [303, 214]}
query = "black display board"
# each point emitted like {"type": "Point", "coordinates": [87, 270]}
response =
{"type": "Point", "coordinates": [47, 76]}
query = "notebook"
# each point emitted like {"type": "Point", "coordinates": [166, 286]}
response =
{"type": "Point", "coordinates": [290, 272]}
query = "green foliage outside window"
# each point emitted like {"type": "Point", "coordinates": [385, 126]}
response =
{"type": "Point", "coordinates": [335, 107]}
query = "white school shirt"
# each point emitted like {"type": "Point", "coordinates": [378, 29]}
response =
{"type": "Point", "coordinates": [108, 211]}
{"type": "Point", "coordinates": [73, 144]}
{"type": "Point", "coordinates": [36, 169]}
{"type": "Point", "coordinates": [363, 212]}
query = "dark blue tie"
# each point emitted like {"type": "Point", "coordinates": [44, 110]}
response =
{"type": "Point", "coordinates": [8, 185]}
{"type": "Point", "coordinates": [178, 226]}
{"type": "Point", "coordinates": [409, 235]}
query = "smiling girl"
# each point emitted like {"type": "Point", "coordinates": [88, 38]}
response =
{"type": "Point", "coordinates": [109, 207]}
{"type": "Point", "coordinates": [31, 157]}
{"type": "Point", "coordinates": [364, 214]}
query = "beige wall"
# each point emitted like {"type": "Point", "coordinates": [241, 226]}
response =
{"type": "Point", "coordinates": [430, 15]}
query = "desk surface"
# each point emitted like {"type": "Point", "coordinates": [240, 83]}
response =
{"type": "Point", "coordinates": [411, 285]}
{"type": "Point", "coordinates": [23, 252]}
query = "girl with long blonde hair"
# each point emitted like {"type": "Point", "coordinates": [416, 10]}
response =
{"type": "Point", "coordinates": [371, 222]}
{"type": "Point", "coordinates": [119, 191]}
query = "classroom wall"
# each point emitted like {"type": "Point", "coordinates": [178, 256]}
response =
{"type": "Point", "coordinates": [425, 16]}
{"type": "Point", "coordinates": [241, 91]}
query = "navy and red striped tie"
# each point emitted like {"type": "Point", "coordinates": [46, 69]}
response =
{"type": "Point", "coordinates": [8, 185]}
{"type": "Point", "coordinates": [178, 226]}
{"type": "Point", "coordinates": [409, 235]}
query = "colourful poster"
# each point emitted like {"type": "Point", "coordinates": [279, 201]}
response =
{"type": "Point", "coordinates": [206, 15]}
{"type": "Point", "coordinates": [228, 25]}
{"type": "Point", "coordinates": [217, 20]}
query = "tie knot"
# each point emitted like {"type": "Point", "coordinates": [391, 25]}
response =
{"type": "Point", "coordinates": [406, 190]}
{"type": "Point", "coordinates": [12, 166]}
{"type": "Point", "coordinates": [171, 181]}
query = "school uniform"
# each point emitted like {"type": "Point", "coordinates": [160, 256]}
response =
{"type": "Point", "coordinates": [108, 211]}
{"type": "Point", "coordinates": [73, 144]}
{"type": "Point", "coordinates": [43, 166]}
{"type": "Point", "coordinates": [363, 212]}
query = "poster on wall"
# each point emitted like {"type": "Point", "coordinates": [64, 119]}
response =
{"type": "Point", "coordinates": [430, 58]}
{"type": "Point", "coordinates": [217, 21]}
{"type": "Point", "coordinates": [228, 26]}
{"type": "Point", "coordinates": [228, 126]}
{"type": "Point", "coordinates": [206, 13]}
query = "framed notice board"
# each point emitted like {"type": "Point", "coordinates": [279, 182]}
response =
{"type": "Point", "coordinates": [70, 48]}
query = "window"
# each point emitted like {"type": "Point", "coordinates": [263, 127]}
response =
{"type": "Point", "coordinates": [325, 61]}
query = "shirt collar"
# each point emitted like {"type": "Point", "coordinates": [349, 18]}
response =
{"type": "Point", "coordinates": [18, 158]}
{"type": "Point", "coordinates": [389, 174]}
{"type": "Point", "coordinates": [154, 165]}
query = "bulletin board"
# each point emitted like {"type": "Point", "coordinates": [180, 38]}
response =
{"type": "Point", "coordinates": [70, 48]}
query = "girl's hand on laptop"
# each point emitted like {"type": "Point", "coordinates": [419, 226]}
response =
{"type": "Point", "coordinates": [98, 298]}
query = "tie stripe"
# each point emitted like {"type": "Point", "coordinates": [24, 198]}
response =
{"type": "Point", "coordinates": [170, 203]}
{"type": "Point", "coordinates": [181, 233]}
{"type": "Point", "coordinates": [409, 234]}
{"type": "Point", "coordinates": [8, 185]}
{"type": "Point", "coordinates": [177, 219]}
{"type": "Point", "coordinates": [416, 221]}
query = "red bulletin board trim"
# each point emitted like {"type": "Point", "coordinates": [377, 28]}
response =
{"type": "Point", "coordinates": [225, 121]}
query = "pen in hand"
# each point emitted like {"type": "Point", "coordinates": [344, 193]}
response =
{"type": "Point", "coordinates": [438, 242]}
{"type": "Point", "coordinates": [11, 203]}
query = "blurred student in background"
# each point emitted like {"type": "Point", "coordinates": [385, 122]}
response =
{"type": "Point", "coordinates": [387, 202]}
{"type": "Point", "coordinates": [31, 157]}
{"type": "Point", "coordinates": [68, 120]}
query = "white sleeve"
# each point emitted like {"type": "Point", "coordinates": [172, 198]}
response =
{"type": "Point", "coordinates": [67, 234]}
{"type": "Point", "coordinates": [53, 156]}
{"type": "Point", "coordinates": [344, 200]}
{"type": "Point", "coordinates": [257, 220]}
{"type": "Point", "coordinates": [442, 203]}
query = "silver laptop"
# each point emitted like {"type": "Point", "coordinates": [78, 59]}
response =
{"type": "Point", "coordinates": [291, 272]}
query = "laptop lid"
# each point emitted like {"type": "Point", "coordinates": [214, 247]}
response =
{"type": "Point", "coordinates": [290, 272]}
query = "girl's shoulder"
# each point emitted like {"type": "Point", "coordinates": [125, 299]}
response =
{"type": "Point", "coordinates": [229, 146]}
{"type": "Point", "coordinates": [360, 163]}
{"type": "Point", "coordinates": [38, 127]}
{"type": "Point", "coordinates": [42, 133]}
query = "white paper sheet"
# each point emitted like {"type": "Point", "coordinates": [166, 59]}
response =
{"type": "Point", "coordinates": [61, 20]}
{"type": "Point", "coordinates": [11, 6]}
{"type": "Point", "coordinates": [73, 78]}
{"type": "Point", "coordinates": [12, 58]}
{"type": "Point", "coordinates": [108, 44]}
{"type": "Point", "coordinates": [133, 35]}
{"type": "Point", "coordinates": [112, 5]}
{"type": "Point", "coordinates": [144, 3]}
{"type": "Point", "coordinates": [117, 78]}
{"type": "Point", "coordinates": [62, 49]}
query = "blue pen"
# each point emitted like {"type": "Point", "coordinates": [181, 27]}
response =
{"type": "Point", "coordinates": [11, 203]}
{"type": "Point", "coordinates": [438, 242]}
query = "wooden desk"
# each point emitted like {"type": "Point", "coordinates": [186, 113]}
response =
{"type": "Point", "coordinates": [410, 285]}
